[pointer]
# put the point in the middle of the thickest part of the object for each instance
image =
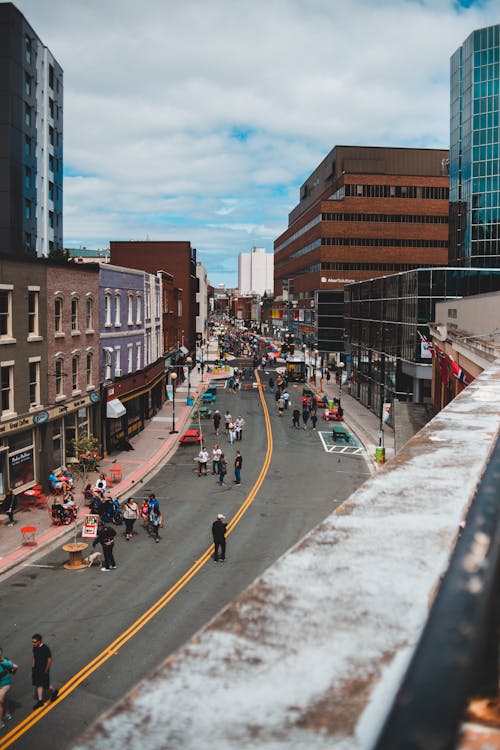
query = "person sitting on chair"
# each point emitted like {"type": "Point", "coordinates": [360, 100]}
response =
{"type": "Point", "coordinates": [56, 484]}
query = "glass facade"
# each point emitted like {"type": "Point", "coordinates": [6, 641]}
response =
{"type": "Point", "coordinates": [383, 318]}
{"type": "Point", "coordinates": [475, 151]}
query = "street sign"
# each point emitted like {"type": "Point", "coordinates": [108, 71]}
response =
{"type": "Point", "coordinates": [90, 525]}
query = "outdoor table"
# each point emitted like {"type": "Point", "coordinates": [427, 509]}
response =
{"type": "Point", "coordinates": [75, 550]}
{"type": "Point", "coordinates": [28, 533]}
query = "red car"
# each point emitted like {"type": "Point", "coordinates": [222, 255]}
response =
{"type": "Point", "coordinates": [190, 436]}
{"type": "Point", "coordinates": [335, 414]}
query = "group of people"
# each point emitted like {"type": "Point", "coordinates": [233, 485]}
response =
{"type": "Point", "coordinates": [219, 464]}
{"type": "Point", "coordinates": [41, 661]}
{"type": "Point", "coordinates": [61, 484]}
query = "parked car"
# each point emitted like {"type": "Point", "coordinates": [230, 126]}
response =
{"type": "Point", "coordinates": [190, 437]}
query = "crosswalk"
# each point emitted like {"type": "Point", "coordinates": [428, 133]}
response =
{"type": "Point", "coordinates": [352, 448]}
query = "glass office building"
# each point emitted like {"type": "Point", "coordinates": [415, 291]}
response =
{"type": "Point", "coordinates": [475, 151]}
{"type": "Point", "coordinates": [383, 317]}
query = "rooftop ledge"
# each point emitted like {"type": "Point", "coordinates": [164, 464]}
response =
{"type": "Point", "coordinates": [318, 666]}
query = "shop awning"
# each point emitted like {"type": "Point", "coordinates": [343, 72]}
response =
{"type": "Point", "coordinates": [115, 409]}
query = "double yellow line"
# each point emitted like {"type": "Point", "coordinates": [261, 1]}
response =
{"type": "Point", "coordinates": [113, 648]}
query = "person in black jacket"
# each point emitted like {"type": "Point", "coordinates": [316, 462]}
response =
{"type": "Point", "coordinates": [9, 506]}
{"type": "Point", "coordinates": [106, 537]}
{"type": "Point", "coordinates": [219, 536]}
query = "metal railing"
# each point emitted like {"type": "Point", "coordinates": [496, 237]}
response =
{"type": "Point", "coordinates": [457, 656]}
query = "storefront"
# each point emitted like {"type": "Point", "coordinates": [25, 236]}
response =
{"type": "Point", "coordinates": [130, 401]}
{"type": "Point", "coordinates": [35, 444]}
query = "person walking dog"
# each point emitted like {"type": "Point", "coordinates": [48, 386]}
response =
{"type": "Point", "coordinates": [106, 537]}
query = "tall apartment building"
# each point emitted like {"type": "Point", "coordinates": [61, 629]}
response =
{"type": "Point", "coordinates": [364, 212]}
{"type": "Point", "coordinates": [256, 272]}
{"type": "Point", "coordinates": [31, 140]}
{"type": "Point", "coordinates": [475, 151]}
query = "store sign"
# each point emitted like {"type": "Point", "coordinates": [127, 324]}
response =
{"type": "Point", "coordinates": [90, 526]}
{"type": "Point", "coordinates": [40, 417]}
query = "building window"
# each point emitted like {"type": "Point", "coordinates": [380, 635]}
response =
{"type": "Point", "coordinates": [51, 167]}
{"type": "Point", "coordinates": [27, 208]}
{"type": "Point", "coordinates": [27, 115]}
{"type": "Point", "coordinates": [51, 108]}
{"type": "Point", "coordinates": [117, 310]}
{"type": "Point", "coordinates": [107, 363]}
{"type": "Point", "coordinates": [51, 76]}
{"type": "Point", "coordinates": [138, 313]}
{"type": "Point", "coordinates": [147, 312]}
{"type": "Point", "coordinates": [130, 357]}
{"type": "Point", "coordinates": [33, 320]}
{"type": "Point", "coordinates": [27, 84]}
{"type": "Point", "coordinates": [138, 352]}
{"type": "Point", "coordinates": [51, 219]}
{"type": "Point", "coordinates": [89, 313]}
{"type": "Point", "coordinates": [74, 372]}
{"type": "Point", "coordinates": [7, 387]}
{"type": "Point", "coordinates": [5, 314]}
{"type": "Point", "coordinates": [130, 316]}
{"type": "Point", "coordinates": [27, 146]}
{"type": "Point", "coordinates": [34, 383]}
{"type": "Point", "coordinates": [107, 309]}
{"type": "Point", "coordinates": [74, 314]}
{"type": "Point", "coordinates": [89, 363]}
{"type": "Point", "coordinates": [59, 376]}
{"type": "Point", "coordinates": [27, 49]}
{"type": "Point", "coordinates": [27, 177]}
{"type": "Point", "coordinates": [51, 135]}
{"type": "Point", "coordinates": [118, 370]}
{"type": "Point", "coordinates": [27, 242]}
{"type": "Point", "coordinates": [58, 315]}
{"type": "Point", "coordinates": [51, 191]}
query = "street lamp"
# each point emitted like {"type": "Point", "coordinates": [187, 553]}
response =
{"type": "Point", "coordinates": [173, 378]}
{"type": "Point", "coordinates": [189, 362]}
{"type": "Point", "coordinates": [341, 368]}
{"type": "Point", "coordinates": [315, 352]}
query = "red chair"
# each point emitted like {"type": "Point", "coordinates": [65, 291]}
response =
{"type": "Point", "coordinates": [116, 473]}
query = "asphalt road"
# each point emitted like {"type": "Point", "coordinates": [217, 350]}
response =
{"type": "Point", "coordinates": [81, 613]}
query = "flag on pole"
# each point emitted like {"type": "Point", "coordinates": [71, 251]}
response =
{"type": "Point", "coordinates": [458, 372]}
{"type": "Point", "coordinates": [427, 345]}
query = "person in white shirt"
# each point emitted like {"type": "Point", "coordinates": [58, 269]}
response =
{"type": "Point", "coordinates": [232, 431]}
{"type": "Point", "coordinates": [216, 454]}
{"type": "Point", "coordinates": [240, 423]}
{"type": "Point", "coordinates": [202, 461]}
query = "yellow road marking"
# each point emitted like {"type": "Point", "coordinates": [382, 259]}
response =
{"type": "Point", "coordinates": [113, 648]}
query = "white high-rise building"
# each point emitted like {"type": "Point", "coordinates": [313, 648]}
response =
{"type": "Point", "coordinates": [256, 272]}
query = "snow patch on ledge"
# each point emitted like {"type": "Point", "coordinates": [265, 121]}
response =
{"type": "Point", "coordinates": [312, 653]}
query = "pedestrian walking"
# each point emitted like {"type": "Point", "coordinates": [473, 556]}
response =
{"type": "Point", "coordinates": [286, 398]}
{"type": "Point", "coordinates": [305, 416]}
{"type": "Point", "coordinates": [219, 536]}
{"type": "Point", "coordinates": [216, 454]}
{"type": "Point", "coordinates": [40, 670]}
{"type": "Point", "coordinates": [9, 506]}
{"type": "Point", "coordinates": [328, 376]}
{"type": "Point", "coordinates": [296, 419]}
{"type": "Point", "coordinates": [7, 669]}
{"type": "Point", "coordinates": [271, 385]}
{"type": "Point", "coordinates": [216, 419]}
{"type": "Point", "coordinates": [227, 421]}
{"type": "Point", "coordinates": [130, 516]}
{"type": "Point", "coordinates": [202, 461]}
{"type": "Point", "coordinates": [281, 405]}
{"type": "Point", "coordinates": [222, 469]}
{"type": "Point", "coordinates": [232, 431]}
{"type": "Point", "coordinates": [106, 537]}
{"type": "Point", "coordinates": [240, 423]}
{"type": "Point", "coordinates": [314, 418]}
{"type": "Point", "coordinates": [238, 463]}
{"type": "Point", "coordinates": [155, 521]}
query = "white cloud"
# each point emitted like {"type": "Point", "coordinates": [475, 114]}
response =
{"type": "Point", "coordinates": [181, 117]}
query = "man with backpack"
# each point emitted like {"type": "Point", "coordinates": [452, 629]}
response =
{"type": "Point", "coordinates": [106, 537]}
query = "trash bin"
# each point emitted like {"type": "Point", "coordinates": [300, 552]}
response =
{"type": "Point", "coordinates": [380, 455]}
{"type": "Point", "coordinates": [189, 401]}
{"type": "Point", "coordinates": [330, 405]}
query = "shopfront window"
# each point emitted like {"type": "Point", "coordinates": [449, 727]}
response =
{"type": "Point", "coordinates": [57, 458]}
{"type": "Point", "coordinates": [21, 459]}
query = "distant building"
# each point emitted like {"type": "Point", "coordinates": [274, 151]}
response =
{"type": "Point", "coordinates": [256, 272]}
{"type": "Point", "coordinates": [364, 212]}
{"type": "Point", "coordinates": [178, 259]}
{"type": "Point", "coordinates": [475, 151]}
{"type": "Point", "coordinates": [31, 140]}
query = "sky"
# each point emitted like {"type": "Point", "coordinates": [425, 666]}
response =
{"type": "Point", "coordinates": [199, 120]}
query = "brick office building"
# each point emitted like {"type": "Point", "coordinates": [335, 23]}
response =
{"type": "Point", "coordinates": [364, 212]}
{"type": "Point", "coordinates": [178, 259]}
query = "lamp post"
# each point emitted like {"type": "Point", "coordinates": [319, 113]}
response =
{"type": "Point", "coordinates": [315, 352]}
{"type": "Point", "coordinates": [189, 362]}
{"type": "Point", "coordinates": [341, 368]}
{"type": "Point", "coordinates": [173, 378]}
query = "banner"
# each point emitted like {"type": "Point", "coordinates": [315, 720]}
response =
{"type": "Point", "coordinates": [90, 525]}
{"type": "Point", "coordinates": [386, 412]}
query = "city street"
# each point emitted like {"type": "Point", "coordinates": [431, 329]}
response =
{"type": "Point", "coordinates": [86, 616]}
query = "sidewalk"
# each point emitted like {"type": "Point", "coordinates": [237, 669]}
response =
{"type": "Point", "coordinates": [153, 446]}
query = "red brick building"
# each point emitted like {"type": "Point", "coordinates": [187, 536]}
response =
{"type": "Point", "coordinates": [364, 212]}
{"type": "Point", "coordinates": [177, 259]}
